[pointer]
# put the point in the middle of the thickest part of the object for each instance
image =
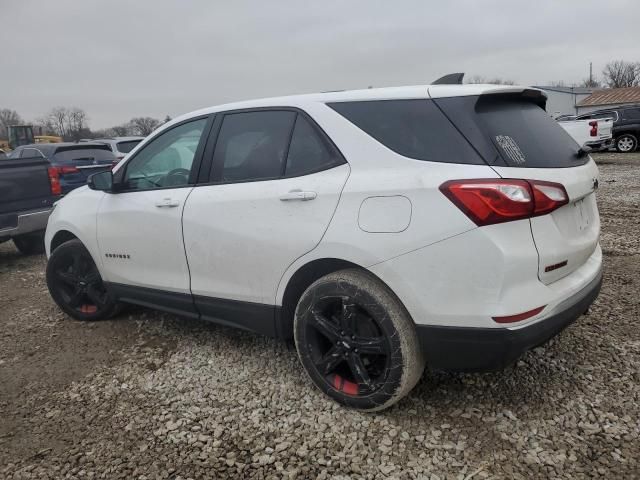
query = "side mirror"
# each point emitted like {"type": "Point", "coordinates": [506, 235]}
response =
{"type": "Point", "coordinates": [102, 181]}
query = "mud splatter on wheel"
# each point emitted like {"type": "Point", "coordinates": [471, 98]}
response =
{"type": "Point", "coordinates": [356, 340]}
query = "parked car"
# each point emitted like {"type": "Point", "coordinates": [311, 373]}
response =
{"type": "Point", "coordinates": [381, 230]}
{"type": "Point", "coordinates": [28, 189]}
{"type": "Point", "coordinates": [626, 125]}
{"type": "Point", "coordinates": [120, 146]}
{"type": "Point", "coordinates": [593, 133]}
{"type": "Point", "coordinates": [74, 162]}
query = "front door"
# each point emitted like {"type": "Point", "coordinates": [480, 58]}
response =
{"type": "Point", "coordinates": [140, 226]}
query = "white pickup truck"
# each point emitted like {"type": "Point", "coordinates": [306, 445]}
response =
{"type": "Point", "coordinates": [594, 133]}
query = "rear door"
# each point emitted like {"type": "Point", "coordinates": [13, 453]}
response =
{"type": "Point", "coordinates": [519, 140]}
{"type": "Point", "coordinates": [274, 186]}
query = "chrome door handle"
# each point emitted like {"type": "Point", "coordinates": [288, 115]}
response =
{"type": "Point", "coordinates": [298, 195]}
{"type": "Point", "coordinates": [167, 203]}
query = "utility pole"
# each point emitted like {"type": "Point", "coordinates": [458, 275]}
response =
{"type": "Point", "coordinates": [590, 73]}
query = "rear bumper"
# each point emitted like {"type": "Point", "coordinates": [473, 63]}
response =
{"type": "Point", "coordinates": [486, 349]}
{"type": "Point", "coordinates": [27, 222]}
{"type": "Point", "coordinates": [601, 144]}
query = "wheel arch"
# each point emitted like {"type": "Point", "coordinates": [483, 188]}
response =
{"type": "Point", "coordinates": [303, 277]}
{"type": "Point", "coordinates": [59, 238]}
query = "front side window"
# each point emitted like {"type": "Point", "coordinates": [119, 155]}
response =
{"type": "Point", "coordinates": [252, 145]}
{"type": "Point", "coordinates": [167, 160]}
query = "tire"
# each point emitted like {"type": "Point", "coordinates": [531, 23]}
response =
{"type": "Point", "coordinates": [356, 341]}
{"type": "Point", "coordinates": [626, 143]}
{"type": "Point", "coordinates": [76, 285]}
{"type": "Point", "coordinates": [30, 244]}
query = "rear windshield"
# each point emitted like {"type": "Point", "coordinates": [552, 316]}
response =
{"type": "Point", "coordinates": [511, 131]}
{"type": "Point", "coordinates": [413, 128]}
{"type": "Point", "coordinates": [78, 153]}
{"type": "Point", "coordinates": [126, 147]}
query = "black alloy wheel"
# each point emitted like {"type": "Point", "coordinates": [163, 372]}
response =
{"type": "Point", "coordinates": [76, 285]}
{"type": "Point", "coordinates": [356, 340]}
{"type": "Point", "coordinates": [349, 348]}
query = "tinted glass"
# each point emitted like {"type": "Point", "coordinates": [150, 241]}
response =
{"type": "Point", "coordinates": [632, 114]}
{"type": "Point", "coordinates": [509, 130]}
{"type": "Point", "coordinates": [83, 154]}
{"type": "Point", "coordinates": [308, 152]}
{"type": "Point", "coordinates": [252, 145]}
{"type": "Point", "coordinates": [126, 147]}
{"type": "Point", "coordinates": [30, 153]}
{"type": "Point", "coordinates": [167, 160]}
{"type": "Point", "coordinates": [413, 128]}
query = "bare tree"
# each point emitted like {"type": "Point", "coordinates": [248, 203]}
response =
{"type": "Point", "coordinates": [58, 118]}
{"type": "Point", "coordinates": [123, 130]}
{"type": "Point", "coordinates": [590, 83]}
{"type": "Point", "coordinates": [144, 125]}
{"type": "Point", "coordinates": [493, 81]}
{"type": "Point", "coordinates": [619, 73]}
{"type": "Point", "coordinates": [557, 83]}
{"type": "Point", "coordinates": [7, 118]}
{"type": "Point", "coordinates": [77, 119]}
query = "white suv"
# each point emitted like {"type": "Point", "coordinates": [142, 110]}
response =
{"type": "Point", "coordinates": [382, 230]}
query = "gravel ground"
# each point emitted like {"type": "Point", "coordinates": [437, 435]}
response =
{"type": "Point", "coordinates": [148, 395]}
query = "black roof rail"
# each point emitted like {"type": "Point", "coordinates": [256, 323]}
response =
{"type": "Point", "coordinates": [450, 79]}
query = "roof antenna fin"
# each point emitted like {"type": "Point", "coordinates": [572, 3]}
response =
{"type": "Point", "coordinates": [450, 79]}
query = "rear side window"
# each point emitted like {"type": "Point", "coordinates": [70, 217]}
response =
{"type": "Point", "coordinates": [413, 128]}
{"type": "Point", "coordinates": [253, 145]}
{"type": "Point", "coordinates": [511, 131]}
{"type": "Point", "coordinates": [83, 154]}
{"type": "Point", "coordinates": [309, 152]}
{"type": "Point", "coordinates": [126, 147]}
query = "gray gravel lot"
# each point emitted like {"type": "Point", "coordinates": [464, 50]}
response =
{"type": "Point", "coordinates": [149, 395]}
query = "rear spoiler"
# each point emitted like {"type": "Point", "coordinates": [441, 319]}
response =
{"type": "Point", "coordinates": [450, 79]}
{"type": "Point", "coordinates": [532, 95]}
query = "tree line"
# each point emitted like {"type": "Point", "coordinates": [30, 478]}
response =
{"type": "Point", "coordinates": [616, 74]}
{"type": "Point", "coordinates": [72, 124]}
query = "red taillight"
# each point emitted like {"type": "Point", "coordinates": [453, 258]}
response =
{"type": "Point", "coordinates": [548, 196]}
{"type": "Point", "coordinates": [64, 170]}
{"type": "Point", "coordinates": [491, 201]}
{"type": "Point", "coordinates": [594, 129]}
{"type": "Point", "coordinates": [54, 181]}
{"type": "Point", "coordinates": [519, 317]}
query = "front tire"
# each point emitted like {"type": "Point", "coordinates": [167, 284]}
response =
{"type": "Point", "coordinates": [626, 143]}
{"type": "Point", "coordinates": [356, 341]}
{"type": "Point", "coordinates": [76, 285]}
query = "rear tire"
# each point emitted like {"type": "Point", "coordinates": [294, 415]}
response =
{"type": "Point", "coordinates": [356, 341]}
{"type": "Point", "coordinates": [626, 143]}
{"type": "Point", "coordinates": [76, 285]}
{"type": "Point", "coordinates": [30, 243]}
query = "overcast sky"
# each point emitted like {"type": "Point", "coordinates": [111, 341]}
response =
{"type": "Point", "coordinates": [119, 59]}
